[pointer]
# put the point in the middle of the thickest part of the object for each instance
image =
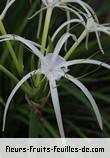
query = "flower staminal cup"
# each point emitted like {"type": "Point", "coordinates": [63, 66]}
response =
{"type": "Point", "coordinates": [54, 67]}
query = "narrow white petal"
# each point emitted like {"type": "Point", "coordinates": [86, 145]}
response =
{"type": "Point", "coordinates": [86, 61]}
{"type": "Point", "coordinates": [19, 84]}
{"type": "Point", "coordinates": [56, 104]}
{"type": "Point", "coordinates": [88, 95]}
{"type": "Point", "coordinates": [28, 43]}
{"type": "Point", "coordinates": [78, 2]}
{"type": "Point", "coordinates": [99, 42]}
{"type": "Point", "coordinates": [59, 45]}
{"type": "Point", "coordinates": [10, 37]}
{"type": "Point", "coordinates": [87, 38]}
{"type": "Point", "coordinates": [71, 10]}
{"type": "Point", "coordinates": [68, 18]}
{"type": "Point", "coordinates": [6, 39]}
{"type": "Point", "coordinates": [8, 5]}
{"type": "Point", "coordinates": [35, 44]}
{"type": "Point", "coordinates": [61, 42]}
{"type": "Point", "coordinates": [7, 2]}
{"type": "Point", "coordinates": [65, 24]}
{"type": "Point", "coordinates": [105, 24]}
{"type": "Point", "coordinates": [104, 29]}
{"type": "Point", "coordinates": [6, 36]}
{"type": "Point", "coordinates": [92, 11]}
{"type": "Point", "coordinates": [36, 13]}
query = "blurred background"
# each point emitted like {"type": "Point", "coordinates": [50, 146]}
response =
{"type": "Point", "coordinates": [78, 117]}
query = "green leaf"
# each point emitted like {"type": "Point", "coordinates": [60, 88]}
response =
{"type": "Point", "coordinates": [36, 128]}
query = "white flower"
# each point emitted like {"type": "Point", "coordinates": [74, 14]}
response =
{"type": "Point", "coordinates": [93, 26]}
{"type": "Point", "coordinates": [7, 6]}
{"type": "Point", "coordinates": [54, 67]}
{"type": "Point", "coordinates": [63, 4]}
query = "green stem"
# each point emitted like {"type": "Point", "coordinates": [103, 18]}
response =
{"type": "Point", "coordinates": [49, 128]}
{"type": "Point", "coordinates": [15, 79]}
{"type": "Point", "coordinates": [45, 34]}
{"type": "Point", "coordinates": [75, 45]}
{"type": "Point", "coordinates": [46, 29]}
{"type": "Point", "coordinates": [10, 48]}
{"type": "Point", "coordinates": [8, 73]}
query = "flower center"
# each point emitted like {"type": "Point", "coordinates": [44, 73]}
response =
{"type": "Point", "coordinates": [91, 25]}
{"type": "Point", "coordinates": [52, 68]}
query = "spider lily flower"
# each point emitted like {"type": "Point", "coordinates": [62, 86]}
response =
{"type": "Point", "coordinates": [7, 6]}
{"type": "Point", "coordinates": [63, 4]}
{"type": "Point", "coordinates": [93, 26]}
{"type": "Point", "coordinates": [54, 67]}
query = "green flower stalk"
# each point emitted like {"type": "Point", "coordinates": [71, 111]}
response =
{"type": "Point", "coordinates": [15, 79]}
{"type": "Point", "coordinates": [75, 45]}
{"type": "Point", "coordinates": [46, 29]}
{"type": "Point", "coordinates": [9, 3]}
